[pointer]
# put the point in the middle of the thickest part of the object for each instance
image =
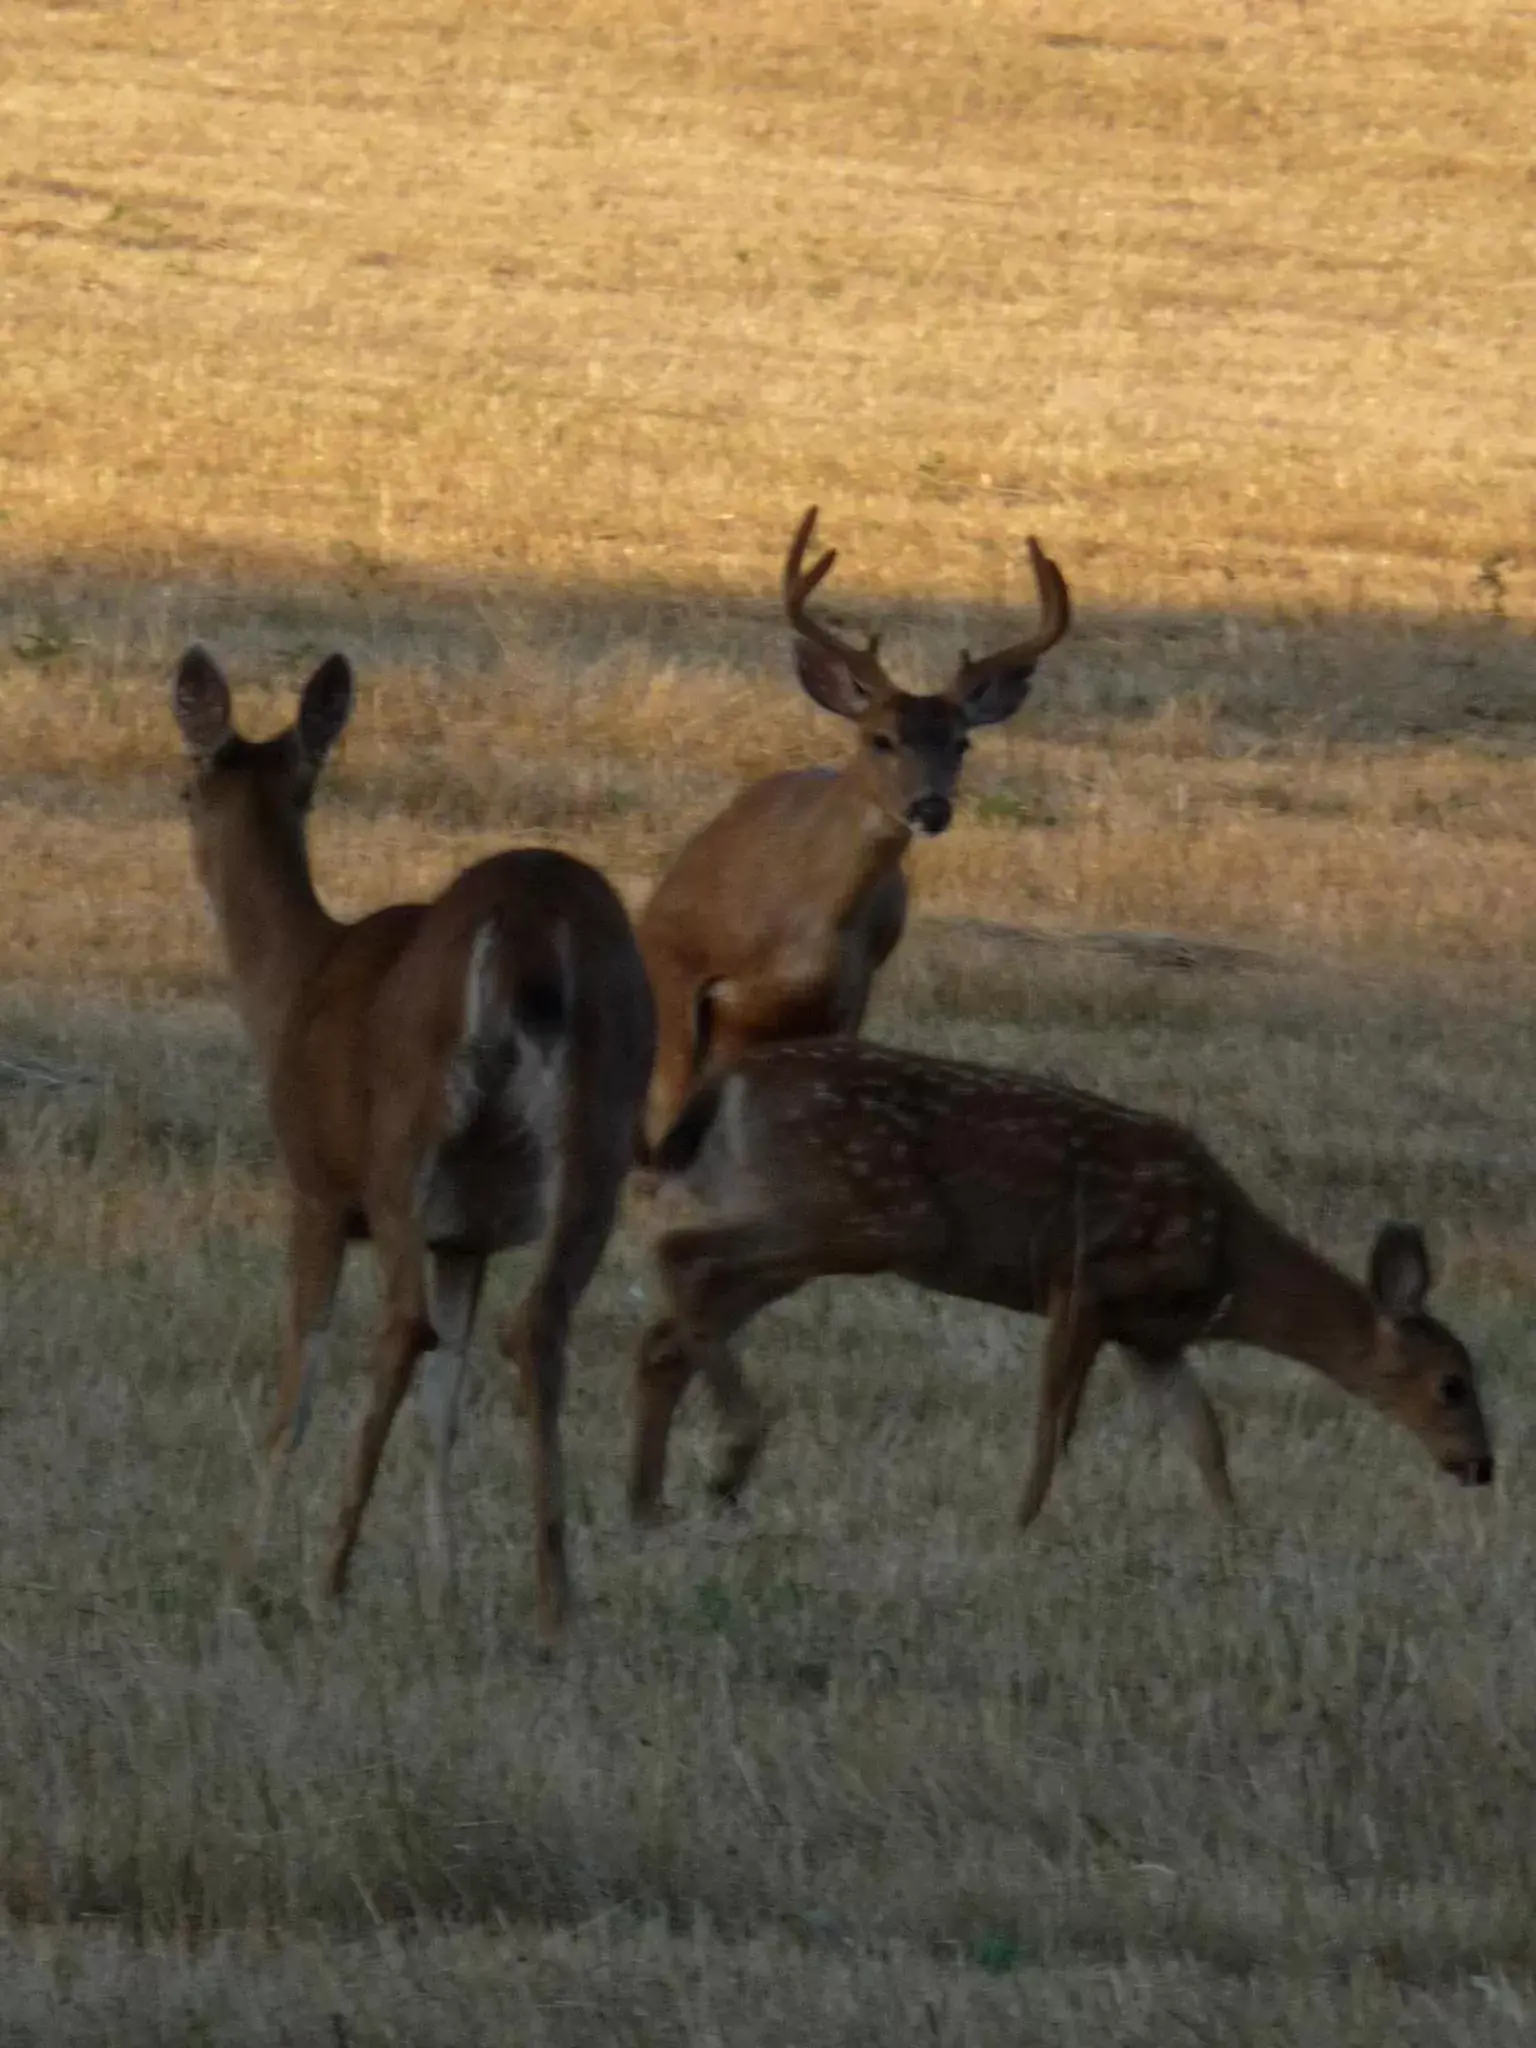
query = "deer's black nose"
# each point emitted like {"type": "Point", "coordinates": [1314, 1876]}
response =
{"type": "Point", "coordinates": [930, 813]}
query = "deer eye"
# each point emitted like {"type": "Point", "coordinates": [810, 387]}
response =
{"type": "Point", "coordinates": [1453, 1390]}
{"type": "Point", "coordinates": [883, 743]}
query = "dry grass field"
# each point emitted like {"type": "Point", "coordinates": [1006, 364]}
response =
{"type": "Point", "coordinates": [502, 347]}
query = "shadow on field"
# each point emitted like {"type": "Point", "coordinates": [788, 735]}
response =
{"type": "Point", "coordinates": [1350, 674]}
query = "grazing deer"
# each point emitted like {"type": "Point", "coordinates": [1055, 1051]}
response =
{"type": "Point", "coordinates": [446, 1079]}
{"type": "Point", "coordinates": [776, 917]}
{"type": "Point", "coordinates": [836, 1156]}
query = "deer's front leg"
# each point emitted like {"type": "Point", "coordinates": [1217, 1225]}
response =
{"type": "Point", "coordinates": [1072, 1339]}
{"type": "Point", "coordinates": [404, 1334]}
{"type": "Point", "coordinates": [317, 1245]}
{"type": "Point", "coordinates": [1173, 1383]}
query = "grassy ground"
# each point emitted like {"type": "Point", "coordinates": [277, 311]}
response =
{"type": "Point", "coordinates": [503, 347]}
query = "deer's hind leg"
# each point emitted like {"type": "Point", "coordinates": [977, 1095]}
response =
{"type": "Point", "coordinates": [454, 1280]}
{"type": "Point", "coordinates": [535, 1339]}
{"type": "Point", "coordinates": [1072, 1339]}
{"type": "Point", "coordinates": [663, 1369]}
{"type": "Point", "coordinates": [716, 1278]}
{"type": "Point", "coordinates": [1171, 1380]}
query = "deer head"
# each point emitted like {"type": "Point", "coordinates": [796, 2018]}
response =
{"type": "Point", "coordinates": [249, 794]}
{"type": "Point", "coordinates": [1419, 1371]}
{"type": "Point", "coordinates": [911, 747]}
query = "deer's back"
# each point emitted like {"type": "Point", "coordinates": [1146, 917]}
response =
{"type": "Point", "coordinates": [970, 1179]}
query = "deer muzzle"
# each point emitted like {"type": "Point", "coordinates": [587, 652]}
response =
{"type": "Point", "coordinates": [930, 814]}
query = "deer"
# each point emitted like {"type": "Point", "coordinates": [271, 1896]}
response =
{"type": "Point", "coordinates": [775, 918]}
{"type": "Point", "coordinates": [444, 1080]}
{"type": "Point", "coordinates": [842, 1157]}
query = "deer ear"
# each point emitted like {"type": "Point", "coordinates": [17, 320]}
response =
{"type": "Point", "coordinates": [325, 707]}
{"type": "Point", "coordinates": [200, 703]}
{"type": "Point", "coordinates": [829, 681]}
{"type": "Point", "coordinates": [1400, 1274]}
{"type": "Point", "coordinates": [986, 695]}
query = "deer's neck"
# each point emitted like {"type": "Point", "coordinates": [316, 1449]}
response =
{"type": "Point", "coordinates": [274, 929]}
{"type": "Point", "coordinates": [1288, 1299]}
{"type": "Point", "coordinates": [866, 841]}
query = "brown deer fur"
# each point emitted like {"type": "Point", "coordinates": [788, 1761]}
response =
{"type": "Point", "coordinates": [835, 1156]}
{"type": "Point", "coordinates": [775, 918]}
{"type": "Point", "coordinates": [446, 1079]}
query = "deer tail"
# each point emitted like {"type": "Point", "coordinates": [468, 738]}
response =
{"type": "Point", "coordinates": [511, 994]}
{"type": "Point", "coordinates": [517, 1014]}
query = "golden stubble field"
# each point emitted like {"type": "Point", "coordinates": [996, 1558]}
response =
{"type": "Point", "coordinates": [502, 347]}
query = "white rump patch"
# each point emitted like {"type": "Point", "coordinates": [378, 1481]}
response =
{"type": "Point", "coordinates": [485, 1021]}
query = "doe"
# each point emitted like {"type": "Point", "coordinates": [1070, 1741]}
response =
{"type": "Point", "coordinates": [775, 918]}
{"type": "Point", "coordinates": [840, 1157]}
{"type": "Point", "coordinates": [446, 1079]}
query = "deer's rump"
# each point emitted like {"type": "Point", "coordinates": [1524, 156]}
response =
{"type": "Point", "coordinates": [494, 1032]}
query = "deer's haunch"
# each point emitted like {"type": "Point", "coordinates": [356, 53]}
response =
{"type": "Point", "coordinates": [834, 1156]}
{"type": "Point", "coordinates": [447, 1079]}
{"type": "Point", "coordinates": [774, 919]}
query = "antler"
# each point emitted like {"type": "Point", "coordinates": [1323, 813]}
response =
{"type": "Point", "coordinates": [799, 582]}
{"type": "Point", "coordinates": [1055, 617]}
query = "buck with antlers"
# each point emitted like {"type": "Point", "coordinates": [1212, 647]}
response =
{"type": "Point", "coordinates": [775, 918]}
{"type": "Point", "coordinates": [445, 1079]}
{"type": "Point", "coordinates": [837, 1156]}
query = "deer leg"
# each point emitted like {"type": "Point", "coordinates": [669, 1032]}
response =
{"type": "Point", "coordinates": [883, 921]}
{"type": "Point", "coordinates": [1203, 1434]}
{"type": "Point", "coordinates": [404, 1335]}
{"type": "Point", "coordinates": [886, 917]}
{"type": "Point", "coordinates": [669, 1087]}
{"type": "Point", "coordinates": [454, 1280]}
{"type": "Point", "coordinates": [1172, 1379]}
{"type": "Point", "coordinates": [743, 1424]}
{"type": "Point", "coordinates": [683, 1023]}
{"type": "Point", "coordinates": [534, 1339]}
{"type": "Point", "coordinates": [717, 1277]}
{"type": "Point", "coordinates": [1072, 1339]}
{"type": "Point", "coordinates": [662, 1372]}
{"type": "Point", "coordinates": [1071, 1412]}
{"type": "Point", "coordinates": [317, 1246]}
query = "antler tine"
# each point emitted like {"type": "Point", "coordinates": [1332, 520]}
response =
{"type": "Point", "coordinates": [1055, 618]}
{"type": "Point", "coordinates": [800, 582]}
